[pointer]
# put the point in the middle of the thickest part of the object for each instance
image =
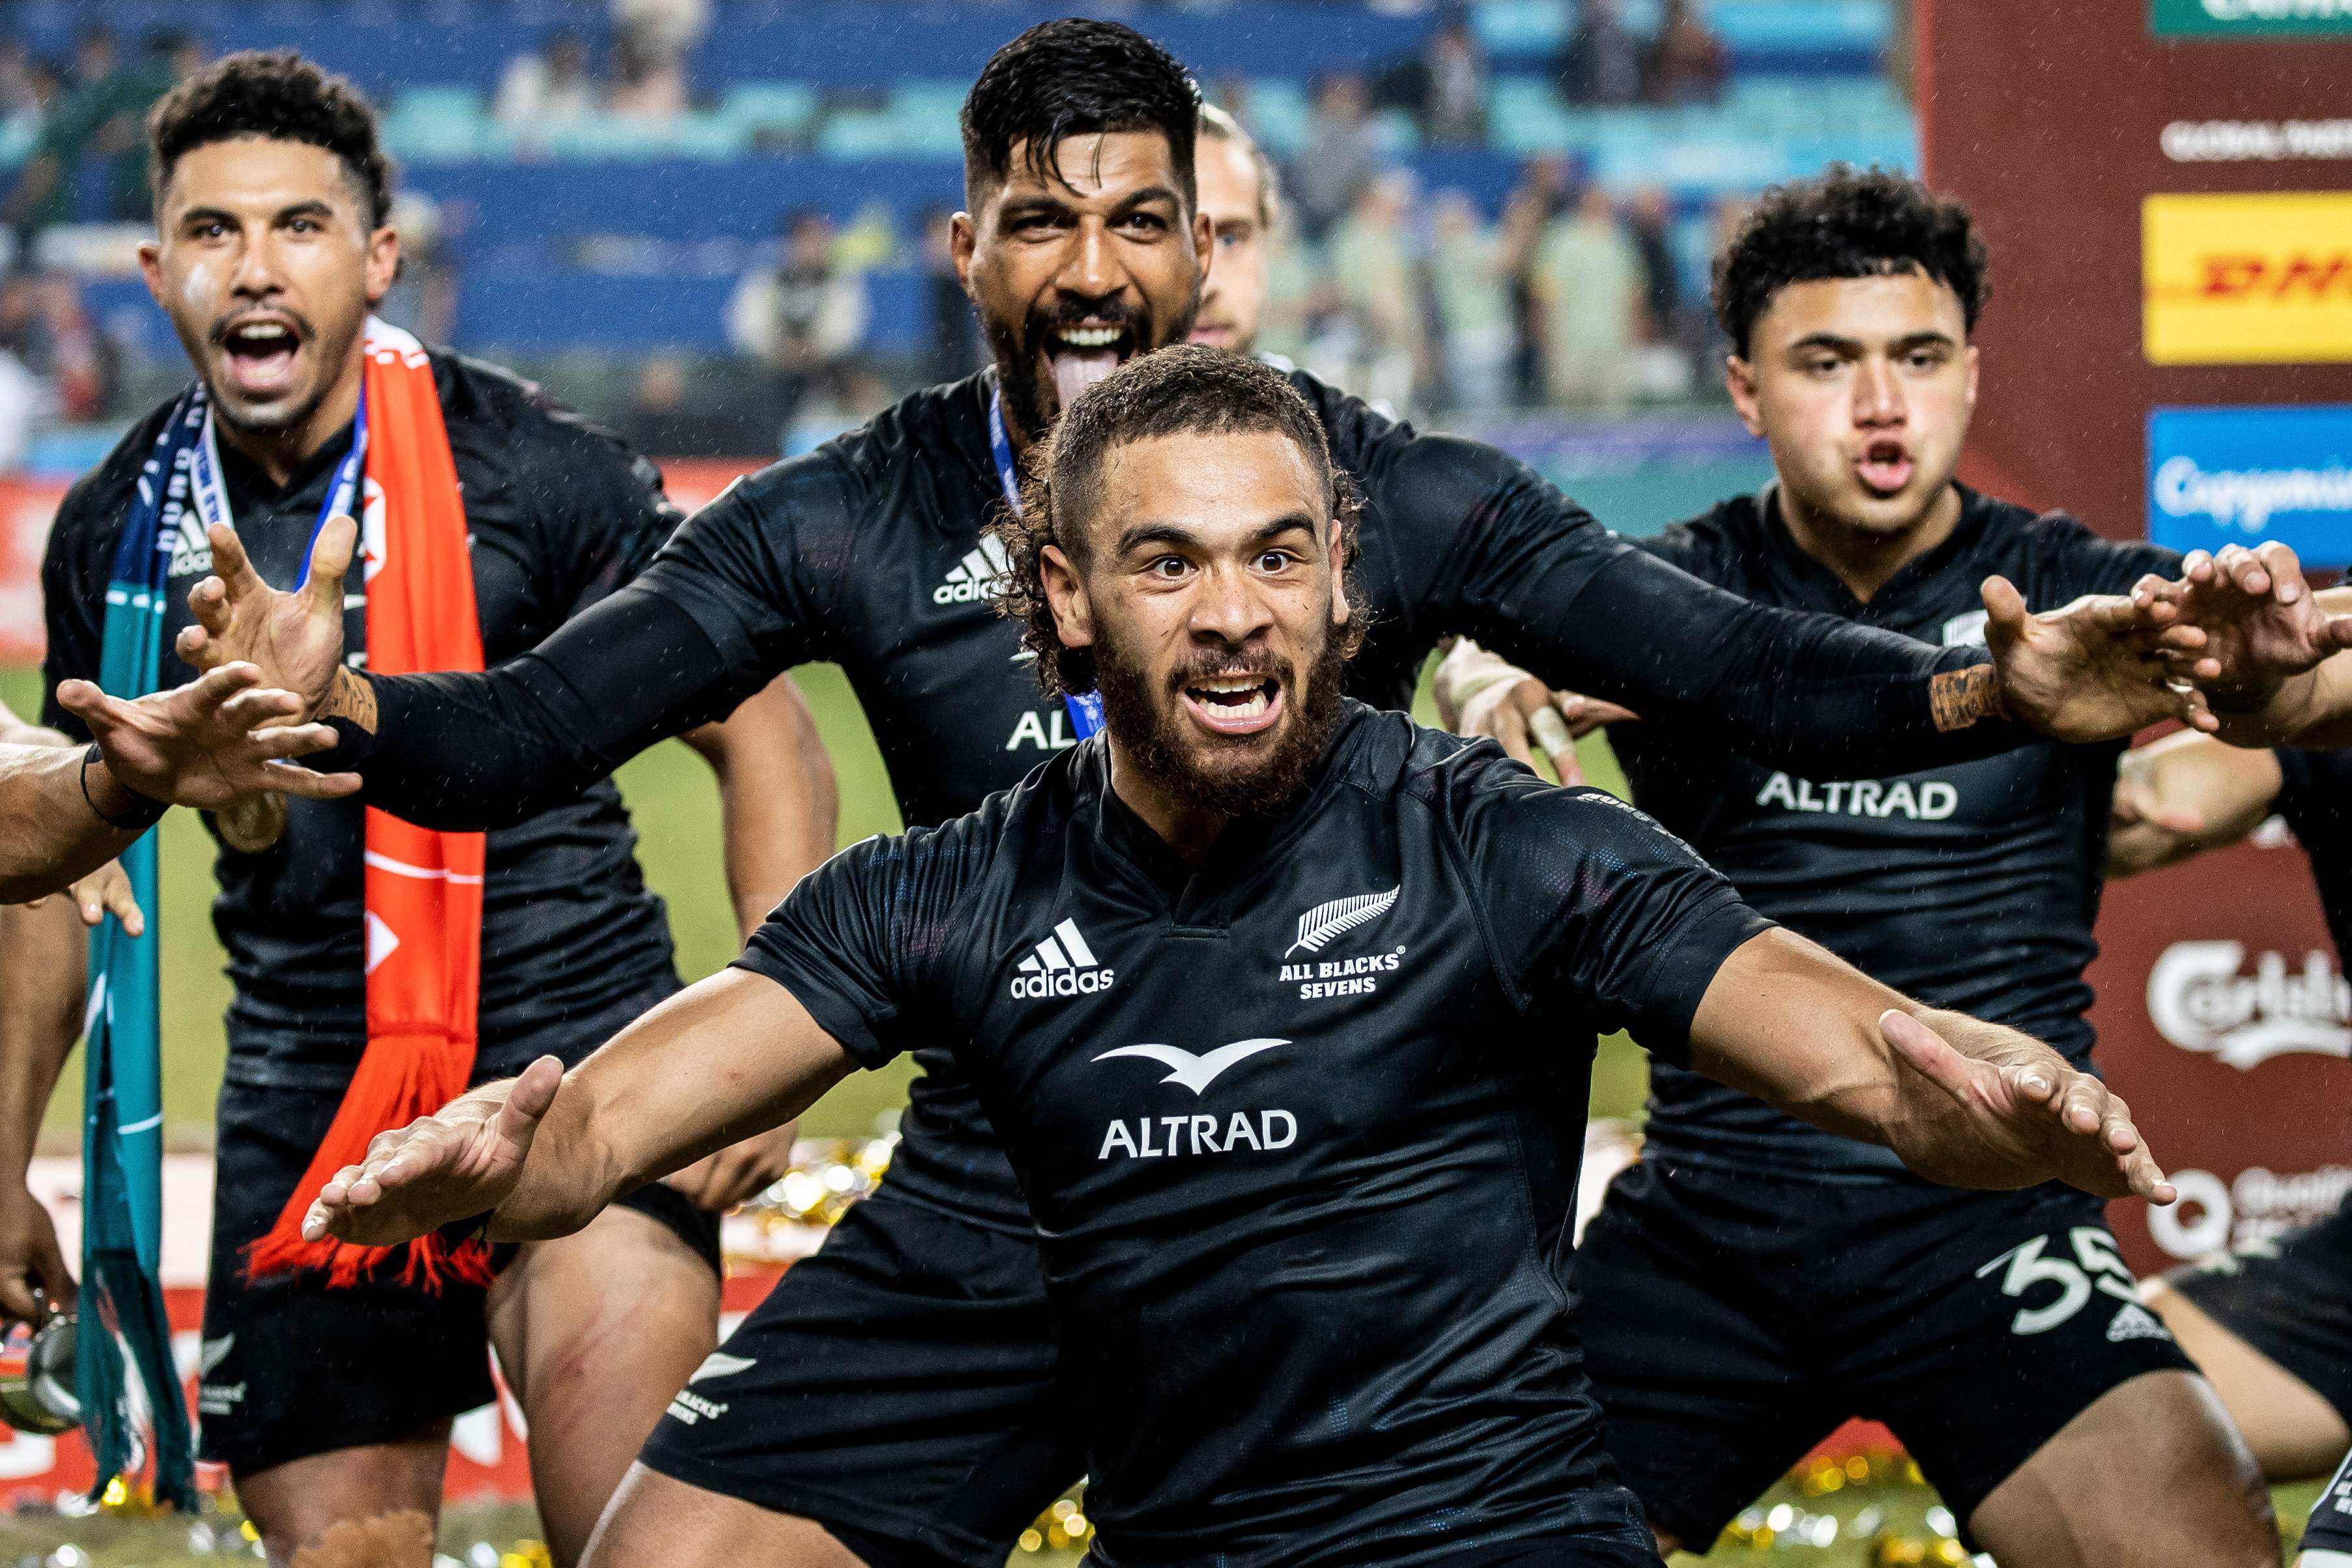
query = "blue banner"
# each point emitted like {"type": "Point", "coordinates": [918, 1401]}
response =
{"type": "Point", "coordinates": [2236, 475]}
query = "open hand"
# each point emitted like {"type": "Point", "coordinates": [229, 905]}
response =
{"type": "Point", "coordinates": [2243, 622]}
{"type": "Point", "coordinates": [440, 1168]}
{"type": "Point", "coordinates": [221, 735]}
{"type": "Point", "coordinates": [295, 636]}
{"type": "Point", "coordinates": [2014, 1114]}
{"type": "Point", "coordinates": [2097, 669]}
{"type": "Point", "coordinates": [1480, 694]}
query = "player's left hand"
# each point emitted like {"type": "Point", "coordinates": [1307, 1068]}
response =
{"type": "Point", "coordinates": [2011, 1113]}
{"type": "Point", "coordinates": [104, 891]}
{"type": "Point", "coordinates": [2093, 669]}
{"type": "Point", "coordinates": [2241, 621]}
{"type": "Point", "coordinates": [220, 736]}
{"type": "Point", "coordinates": [738, 1172]}
{"type": "Point", "coordinates": [451, 1165]}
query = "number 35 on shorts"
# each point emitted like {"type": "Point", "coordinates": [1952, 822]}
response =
{"type": "Point", "coordinates": [2095, 1267]}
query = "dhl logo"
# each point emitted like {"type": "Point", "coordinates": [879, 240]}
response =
{"type": "Point", "coordinates": [2304, 275]}
{"type": "Point", "coordinates": [2247, 279]}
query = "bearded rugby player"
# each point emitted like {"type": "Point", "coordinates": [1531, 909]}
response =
{"type": "Point", "coordinates": [1999, 1334]}
{"type": "Point", "coordinates": [370, 959]}
{"type": "Point", "coordinates": [1320, 1311]}
{"type": "Point", "coordinates": [906, 1402]}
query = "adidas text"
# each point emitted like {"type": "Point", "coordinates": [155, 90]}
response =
{"type": "Point", "coordinates": [1063, 965]}
{"type": "Point", "coordinates": [1068, 983]}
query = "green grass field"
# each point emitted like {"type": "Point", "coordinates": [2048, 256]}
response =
{"type": "Point", "coordinates": [675, 804]}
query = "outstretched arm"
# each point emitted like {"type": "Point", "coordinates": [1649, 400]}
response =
{"type": "Point", "coordinates": [2184, 795]}
{"type": "Point", "coordinates": [1531, 576]}
{"type": "Point", "coordinates": [543, 1154]}
{"type": "Point", "coordinates": [1963, 1101]}
{"type": "Point", "coordinates": [666, 652]}
{"type": "Point", "coordinates": [64, 815]}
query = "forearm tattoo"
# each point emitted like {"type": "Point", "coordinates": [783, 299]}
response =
{"type": "Point", "coordinates": [1958, 698]}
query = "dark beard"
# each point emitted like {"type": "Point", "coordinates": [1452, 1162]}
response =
{"type": "Point", "coordinates": [1154, 737]}
{"type": "Point", "coordinates": [1017, 352]}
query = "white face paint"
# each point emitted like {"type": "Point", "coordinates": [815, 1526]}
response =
{"type": "Point", "coordinates": [196, 292]}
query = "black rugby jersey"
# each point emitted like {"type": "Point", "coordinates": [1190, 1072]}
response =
{"type": "Point", "coordinates": [558, 515]}
{"type": "Point", "coordinates": [2316, 798]}
{"type": "Point", "coordinates": [1296, 1158]}
{"type": "Point", "coordinates": [870, 552]}
{"type": "Point", "coordinates": [1973, 886]}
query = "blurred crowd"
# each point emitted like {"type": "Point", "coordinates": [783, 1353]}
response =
{"type": "Point", "coordinates": [645, 73]}
{"type": "Point", "coordinates": [1572, 296]}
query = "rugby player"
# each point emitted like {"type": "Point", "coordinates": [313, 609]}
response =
{"type": "Point", "coordinates": [898, 1398]}
{"type": "Point", "coordinates": [1309, 1253]}
{"type": "Point", "coordinates": [1241, 195]}
{"type": "Point", "coordinates": [1753, 1281]}
{"type": "Point", "coordinates": [328, 1390]}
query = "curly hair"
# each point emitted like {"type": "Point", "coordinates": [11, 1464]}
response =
{"type": "Point", "coordinates": [1185, 389]}
{"type": "Point", "coordinates": [278, 96]}
{"type": "Point", "coordinates": [1847, 222]}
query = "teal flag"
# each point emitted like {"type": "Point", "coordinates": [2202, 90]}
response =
{"type": "Point", "coordinates": [122, 1127]}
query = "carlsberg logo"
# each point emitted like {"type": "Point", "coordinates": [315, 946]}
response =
{"type": "Point", "coordinates": [2198, 1002]}
{"type": "Point", "coordinates": [2248, 499]}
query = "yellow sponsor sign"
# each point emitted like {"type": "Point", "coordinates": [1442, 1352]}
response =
{"type": "Point", "coordinates": [2247, 279]}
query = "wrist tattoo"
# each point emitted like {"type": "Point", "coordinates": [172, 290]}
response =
{"type": "Point", "coordinates": [349, 696]}
{"type": "Point", "coordinates": [1958, 698]}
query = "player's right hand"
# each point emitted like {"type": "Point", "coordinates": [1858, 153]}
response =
{"type": "Point", "coordinates": [220, 736]}
{"type": "Point", "coordinates": [2008, 1112]}
{"type": "Point", "coordinates": [459, 1163]}
{"type": "Point", "coordinates": [34, 1279]}
{"type": "Point", "coordinates": [1483, 695]}
{"type": "Point", "coordinates": [295, 636]}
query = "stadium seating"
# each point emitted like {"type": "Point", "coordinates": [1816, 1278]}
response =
{"type": "Point", "coordinates": [797, 112]}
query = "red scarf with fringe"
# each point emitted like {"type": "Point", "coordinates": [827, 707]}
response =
{"type": "Point", "coordinates": [424, 889]}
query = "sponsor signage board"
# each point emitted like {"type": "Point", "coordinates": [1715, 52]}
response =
{"type": "Point", "coordinates": [2238, 278]}
{"type": "Point", "coordinates": [2224, 1018]}
{"type": "Point", "coordinates": [2235, 476]}
{"type": "Point", "coordinates": [2249, 19]}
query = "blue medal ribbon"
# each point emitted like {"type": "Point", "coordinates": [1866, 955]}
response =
{"type": "Point", "coordinates": [122, 1172]}
{"type": "Point", "coordinates": [1084, 708]}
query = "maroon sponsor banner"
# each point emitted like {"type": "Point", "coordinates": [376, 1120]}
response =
{"type": "Point", "coordinates": [2069, 129]}
{"type": "Point", "coordinates": [2223, 1019]}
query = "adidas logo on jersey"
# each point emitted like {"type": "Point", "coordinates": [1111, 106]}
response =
{"type": "Point", "coordinates": [974, 577]}
{"type": "Point", "coordinates": [1061, 965]}
{"type": "Point", "coordinates": [2134, 1322]}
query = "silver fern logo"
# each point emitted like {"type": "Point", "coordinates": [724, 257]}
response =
{"type": "Point", "coordinates": [1327, 923]}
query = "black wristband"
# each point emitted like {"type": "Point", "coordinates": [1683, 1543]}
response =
{"type": "Point", "coordinates": [139, 818]}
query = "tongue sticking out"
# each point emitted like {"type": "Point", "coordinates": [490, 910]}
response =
{"type": "Point", "coordinates": [1074, 372]}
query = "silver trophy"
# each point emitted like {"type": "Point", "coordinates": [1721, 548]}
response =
{"type": "Point", "coordinates": [36, 1378]}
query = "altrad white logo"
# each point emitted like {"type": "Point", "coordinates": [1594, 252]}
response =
{"type": "Point", "coordinates": [1061, 965]}
{"type": "Point", "coordinates": [1149, 1137]}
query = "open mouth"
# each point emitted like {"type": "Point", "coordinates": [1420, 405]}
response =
{"type": "Point", "coordinates": [1234, 704]}
{"type": "Point", "coordinates": [1214, 334]}
{"type": "Point", "coordinates": [259, 357]}
{"type": "Point", "coordinates": [1081, 356]}
{"type": "Point", "coordinates": [1885, 467]}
